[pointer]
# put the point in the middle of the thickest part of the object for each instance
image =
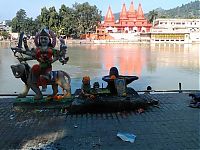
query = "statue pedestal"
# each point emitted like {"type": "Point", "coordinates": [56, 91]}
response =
{"type": "Point", "coordinates": [29, 102]}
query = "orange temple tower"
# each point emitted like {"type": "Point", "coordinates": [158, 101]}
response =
{"type": "Point", "coordinates": [129, 21]}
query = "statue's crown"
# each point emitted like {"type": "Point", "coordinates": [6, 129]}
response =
{"type": "Point", "coordinates": [45, 32]}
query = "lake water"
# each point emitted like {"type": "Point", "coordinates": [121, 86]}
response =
{"type": "Point", "coordinates": [161, 66]}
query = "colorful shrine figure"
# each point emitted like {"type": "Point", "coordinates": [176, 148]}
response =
{"type": "Point", "coordinates": [41, 74]}
{"type": "Point", "coordinates": [45, 55]}
{"type": "Point", "coordinates": [96, 88]}
{"type": "Point", "coordinates": [117, 84]}
{"type": "Point", "coordinates": [86, 88]}
{"type": "Point", "coordinates": [113, 75]}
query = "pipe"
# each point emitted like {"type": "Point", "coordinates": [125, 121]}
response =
{"type": "Point", "coordinates": [169, 91]}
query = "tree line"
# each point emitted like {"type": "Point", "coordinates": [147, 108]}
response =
{"type": "Point", "coordinates": [185, 11]}
{"type": "Point", "coordinates": [72, 22]}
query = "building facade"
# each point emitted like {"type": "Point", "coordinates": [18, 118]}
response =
{"type": "Point", "coordinates": [4, 27]}
{"type": "Point", "coordinates": [176, 30]}
{"type": "Point", "coordinates": [129, 21]}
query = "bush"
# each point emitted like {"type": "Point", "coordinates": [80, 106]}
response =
{"type": "Point", "coordinates": [4, 34]}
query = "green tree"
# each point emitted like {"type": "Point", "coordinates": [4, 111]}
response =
{"type": "Point", "coordinates": [67, 20]}
{"type": "Point", "coordinates": [152, 15]}
{"type": "Point", "coordinates": [44, 17]}
{"type": "Point", "coordinates": [79, 19]}
{"type": "Point", "coordinates": [28, 25]}
{"type": "Point", "coordinates": [37, 25]}
{"type": "Point", "coordinates": [87, 17]}
{"type": "Point", "coordinates": [163, 16]}
{"type": "Point", "coordinates": [22, 23]}
{"type": "Point", "coordinates": [53, 18]}
{"type": "Point", "coordinates": [18, 21]}
{"type": "Point", "coordinates": [5, 34]}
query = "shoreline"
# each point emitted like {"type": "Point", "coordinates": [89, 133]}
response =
{"type": "Point", "coordinates": [79, 42]}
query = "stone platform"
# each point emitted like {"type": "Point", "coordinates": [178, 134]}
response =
{"type": "Point", "coordinates": [172, 126]}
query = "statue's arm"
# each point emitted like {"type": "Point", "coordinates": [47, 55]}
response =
{"type": "Point", "coordinates": [29, 58]}
{"type": "Point", "coordinates": [30, 53]}
{"type": "Point", "coordinates": [55, 55]}
{"type": "Point", "coordinates": [25, 44]}
{"type": "Point", "coordinates": [63, 58]}
{"type": "Point", "coordinates": [21, 59]}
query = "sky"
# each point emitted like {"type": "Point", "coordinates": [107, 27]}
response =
{"type": "Point", "coordinates": [9, 8]}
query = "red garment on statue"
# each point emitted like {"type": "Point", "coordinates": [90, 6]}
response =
{"type": "Point", "coordinates": [44, 57]}
{"type": "Point", "coordinates": [44, 66]}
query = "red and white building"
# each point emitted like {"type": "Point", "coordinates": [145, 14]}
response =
{"type": "Point", "coordinates": [129, 21]}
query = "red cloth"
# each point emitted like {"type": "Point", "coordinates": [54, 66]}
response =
{"type": "Point", "coordinates": [44, 57]}
{"type": "Point", "coordinates": [42, 81]}
{"type": "Point", "coordinates": [36, 69]}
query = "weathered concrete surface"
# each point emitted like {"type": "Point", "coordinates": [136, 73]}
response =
{"type": "Point", "coordinates": [172, 126]}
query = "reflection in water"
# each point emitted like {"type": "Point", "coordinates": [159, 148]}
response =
{"type": "Point", "coordinates": [183, 56]}
{"type": "Point", "coordinates": [128, 59]}
{"type": "Point", "coordinates": [162, 66]}
{"type": "Point", "coordinates": [4, 44]}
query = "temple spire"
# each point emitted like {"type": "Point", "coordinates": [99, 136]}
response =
{"type": "Point", "coordinates": [131, 12]}
{"type": "Point", "coordinates": [131, 9]}
{"type": "Point", "coordinates": [123, 14]}
{"type": "Point", "coordinates": [109, 16]}
{"type": "Point", "coordinates": [140, 14]}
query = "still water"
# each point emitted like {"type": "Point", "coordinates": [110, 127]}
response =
{"type": "Point", "coordinates": [161, 66]}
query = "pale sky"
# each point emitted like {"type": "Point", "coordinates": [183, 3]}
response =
{"type": "Point", "coordinates": [8, 8]}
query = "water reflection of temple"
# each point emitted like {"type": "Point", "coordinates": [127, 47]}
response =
{"type": "Point", "coordinates": [128, 58]}
{"type": "Point", "coordinates": [136, 59]}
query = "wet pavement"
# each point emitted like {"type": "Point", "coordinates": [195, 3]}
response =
{"type": "Point", "coordinates": [172, 126]}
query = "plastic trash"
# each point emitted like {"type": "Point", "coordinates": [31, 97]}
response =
{"type": "Point", "coordinates": [126, 137]}
{"type": "Point", "coordinates": [12, 117]}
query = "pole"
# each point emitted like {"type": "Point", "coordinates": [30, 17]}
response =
{"type": "Point", "coordinates": [180, 89]}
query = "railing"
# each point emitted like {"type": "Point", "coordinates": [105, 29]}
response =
{"type": "Point", "coordinates": [179, 90]}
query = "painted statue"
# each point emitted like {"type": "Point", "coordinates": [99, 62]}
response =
{"type": "Point", "coordinates": [41, 74]}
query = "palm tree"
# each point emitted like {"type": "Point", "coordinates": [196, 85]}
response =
{"type": "Point", "coordinates": [152, 15]}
